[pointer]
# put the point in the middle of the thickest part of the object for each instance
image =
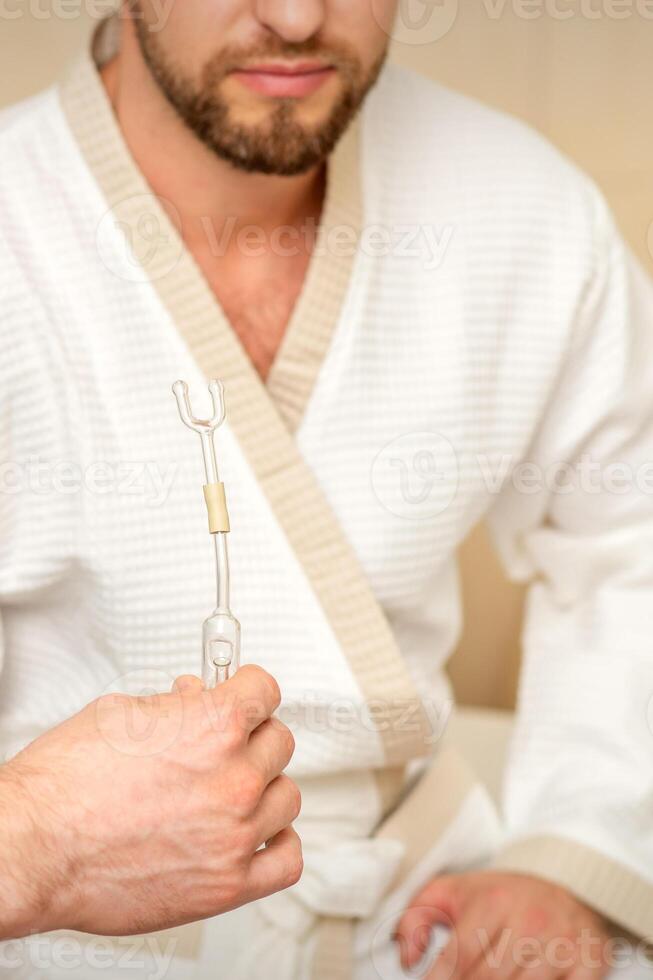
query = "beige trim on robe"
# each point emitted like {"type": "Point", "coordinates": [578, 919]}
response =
{"type": "Point", "coordinates": [612, 889]}
{"type": "Point", "coordinates": [419, 820]}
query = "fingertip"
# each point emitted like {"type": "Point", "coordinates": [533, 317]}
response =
{"type": "Point", "coordinates": [432, 906]}
{"type": "Point", "coordinates": [413, 935]}
{"type": "Point", "coordinates": [278, 865]}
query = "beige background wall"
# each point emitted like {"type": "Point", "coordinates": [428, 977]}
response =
{"type": "Point", "coordinates": [581, 71]}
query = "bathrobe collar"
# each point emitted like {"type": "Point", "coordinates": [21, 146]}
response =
{"type": "Point", "coordinates": [263, 417]}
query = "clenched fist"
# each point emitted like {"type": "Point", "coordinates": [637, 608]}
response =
{"type": "Point", "coordinates": [139, 814]}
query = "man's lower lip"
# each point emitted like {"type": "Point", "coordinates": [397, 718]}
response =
{"type": "Point", "coordinates": [281, 86]}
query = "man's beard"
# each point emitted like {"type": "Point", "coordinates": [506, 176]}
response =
{"type": "Point", "coordinates": [281, 145]}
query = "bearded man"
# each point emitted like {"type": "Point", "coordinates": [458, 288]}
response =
{"type": "Point", "coordinates": [422, 316]}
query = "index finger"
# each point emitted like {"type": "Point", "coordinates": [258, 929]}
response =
{"type": "Point", "coordinates": [252, 693]}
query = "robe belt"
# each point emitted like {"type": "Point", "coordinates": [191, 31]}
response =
{"type": "Point", "coordinates": [420, 818]}
{"type": "Point", "coordinates": [347, 880]}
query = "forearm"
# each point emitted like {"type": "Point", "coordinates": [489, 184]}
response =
{"type": "Point", "coordinates": [28, 859]}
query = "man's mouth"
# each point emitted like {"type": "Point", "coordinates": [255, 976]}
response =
{"type": "Point", "coordinates": [285, 80]}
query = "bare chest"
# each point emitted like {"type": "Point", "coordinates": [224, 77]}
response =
{"type": "Point", "coordinates": [258, 298]}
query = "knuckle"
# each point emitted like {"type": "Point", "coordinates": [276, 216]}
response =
{"type": "Point", "coordinates": [252, 713]}
{"type": "Point", "coordinates": [244, 842]}
{"type": "Point", "coordinates": [282, 739]}
{"type": "Point", "coordinates": [289, 741]}
{"type": "Point", "coordinates": [214, 715]}
{"type": "Point", "coordinates": [274, 691]}
{"type": "Point", "coordinates": [230, 893]}
{"type": "Point", "coordinates": [268, 682]}
{"type": "Point", "coordinates": [232, 734]}
{"type": "Point", "coordinates": [293, 869]}
{"type": "Point", "coordinates": [289, 795]}
{"type": "Point", "coordinates": [249, 789]}
{"type": "Point", "coordinates": [295, 799]}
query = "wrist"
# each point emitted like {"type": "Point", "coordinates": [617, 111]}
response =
{"type": "Point", "coordinates": [28, 858]}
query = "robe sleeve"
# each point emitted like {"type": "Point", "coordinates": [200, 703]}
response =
{"type": "Point", "coordinates": [20, 716]}
{"type": "Point", "coordinates": [42, 665]}
{"type": "Point", "coordinates": [575, 521]}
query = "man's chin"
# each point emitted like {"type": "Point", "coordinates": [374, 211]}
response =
{"type": "Point", "coordinates": [287, 142]}
{"type": "Point", "coordinates": [280, 137]}
{"type": "Point", "coordinates": [257, 156]}
{"type": "Point", "coordinates": [295, 131]}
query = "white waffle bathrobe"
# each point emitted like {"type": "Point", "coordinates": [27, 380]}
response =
{"type": "Point", "coordinates": [470, 322]}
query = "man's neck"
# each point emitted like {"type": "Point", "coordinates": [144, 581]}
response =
{"type": "Point", "coordinates": [205, 190]}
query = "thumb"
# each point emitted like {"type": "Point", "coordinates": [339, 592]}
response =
{"type": "Point", "coordinates": [434, 905]}
{"type": "Point", "coordinates": [187, 684]}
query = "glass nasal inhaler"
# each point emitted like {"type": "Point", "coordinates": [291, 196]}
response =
{"type": "Point", "coordinates": [221, 631]}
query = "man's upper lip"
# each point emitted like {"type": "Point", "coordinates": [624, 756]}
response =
{"type": "Point", "coordinates": [286, 68]}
